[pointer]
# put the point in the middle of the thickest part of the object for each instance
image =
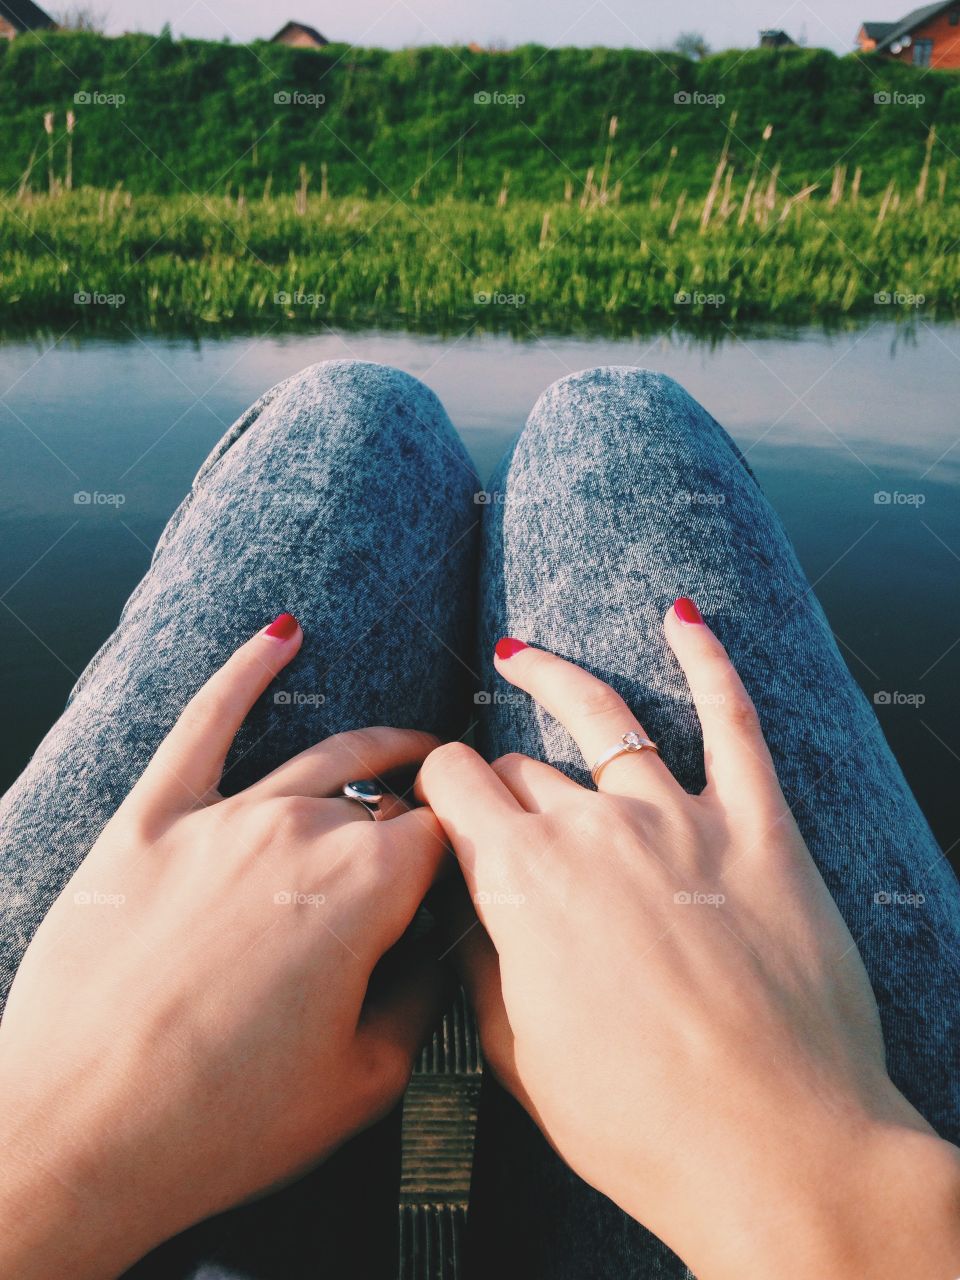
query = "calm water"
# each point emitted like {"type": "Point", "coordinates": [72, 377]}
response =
{"type": "Point", "coordinates": [827, 423]}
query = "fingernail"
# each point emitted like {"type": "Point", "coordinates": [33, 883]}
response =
{"type": "Point", "coordinates": [686, 610]}
{"type": "Point", "coordinates": [507, 647]}
{"type": "Point", "coordinates": [282, 627]}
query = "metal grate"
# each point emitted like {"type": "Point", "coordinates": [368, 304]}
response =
{"type": "Point", "coordinates": [430, 1236]}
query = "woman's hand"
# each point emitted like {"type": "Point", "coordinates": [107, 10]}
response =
{"type": "Point", "coordinates": [683, 1010]}
{"type": "Point", "coordinates": [192, 1021]}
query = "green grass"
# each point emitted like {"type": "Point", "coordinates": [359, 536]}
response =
{"type": "Point", "coordinates": [180, 262]}
{"type": "Point", "coordinates": [202, 117]}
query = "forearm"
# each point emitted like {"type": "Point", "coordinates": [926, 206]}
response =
{"type": "Point", "coordinates": [885, 1208]}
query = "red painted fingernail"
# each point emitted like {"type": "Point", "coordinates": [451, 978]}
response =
{"type": "Point", "coordinates": [507, 647]}
{"type": "Point", "coordinates": [686, 610]}
{"type": "Point", "coordinates": [282, 627]}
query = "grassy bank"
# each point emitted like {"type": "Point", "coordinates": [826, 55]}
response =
{"type": "Point", "coordinates": [735, 251]}
{"type": "Point", "coordinates": [178, 117]}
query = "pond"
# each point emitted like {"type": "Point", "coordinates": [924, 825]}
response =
{"type": "Point", "coordinates": [828, 422]}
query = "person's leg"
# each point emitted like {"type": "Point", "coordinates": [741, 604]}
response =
{"type": "Point", "coordinates": [621, 495]}
{"type": "Point", "coordinates": [344, 496]}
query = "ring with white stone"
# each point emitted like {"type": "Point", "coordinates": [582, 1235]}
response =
{"type": "Point", "coordinates": [630, 742]}
{"type": "Point", "coordinates": [366, 793]}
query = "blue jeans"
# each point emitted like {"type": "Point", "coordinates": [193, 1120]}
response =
{"type": "Point", "coordinates": [345, 496]}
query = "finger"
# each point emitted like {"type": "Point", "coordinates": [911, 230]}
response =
{"type": "Point", "coordinates": [475, 958]}
{"type": "Point", "coordinates": [344, 811]}
{"type": "Point", "coordinates": [189, 762]}
{"type": "Point", "coordinates": [595, 715]}
{"type": "Point", "coordinates": [322, 770]}
{"type": "Point", "coordinates": [410, 853]}
{"type": "Point", "coordinates": [470, 801]}
{"type": "Point", "coordinates": [405, 1003]}
{"type": "Point", "coordinates": [736, 758]}
{"type": "Point", "coordinates": [537, 786]}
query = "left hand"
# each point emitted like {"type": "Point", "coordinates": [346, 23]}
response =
{"type": "Point", "coordinates": [664, 981]}
{"type": "Point", "coordinates": [195, 1018]}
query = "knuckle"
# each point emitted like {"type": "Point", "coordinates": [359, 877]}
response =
{"type": "Point", "coordinates": [596, 699]}
{"type": "Point", "coordinates": [285, 818]}
{"type": "Point", "coordinates": [508, 763]}
{"type": "Point", "coordinates": [449, 755]}
{"type": "Point", "coordinates": [741, 713]}
{"type": "Point", "coordinates": [389, 1068]}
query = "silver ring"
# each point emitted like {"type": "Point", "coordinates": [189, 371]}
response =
{"type": "Point", "coordinates": [630, 742]}
{"type": "Point", "coordinates": [367, 793]}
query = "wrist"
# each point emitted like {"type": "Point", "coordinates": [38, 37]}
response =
{"type": "Point", "coordinates": [883, 1202]}
{"type": "Point", "coordinates": [61, 1211]}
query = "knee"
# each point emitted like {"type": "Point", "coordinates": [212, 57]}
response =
{"type": "Point", "coordinates": [618, 406]}
{"type": "Point", "coordinates": [362, 398]}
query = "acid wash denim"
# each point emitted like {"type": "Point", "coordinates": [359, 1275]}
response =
{"type": "Point", "coordinates": [345, 496]}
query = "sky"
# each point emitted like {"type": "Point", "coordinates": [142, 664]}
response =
{"type": "Point", "coordinates": [395, 23]}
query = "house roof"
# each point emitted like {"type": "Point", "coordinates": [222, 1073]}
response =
{"type": "Point", "coordinates": [877, 30]}
{"type": "Point", "coordinates": [301, 26]}
{"type": "Point", "coordinates": [24, 15]}
{"type": "Point", "coordinates": [913, 19]}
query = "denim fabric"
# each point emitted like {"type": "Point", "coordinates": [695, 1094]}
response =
{"type": "Point", "coordinates": [621, 494]}
{"type": "Point", "coordinates": [345, 496]}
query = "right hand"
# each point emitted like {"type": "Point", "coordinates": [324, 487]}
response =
{"type": "Point", "coordinates": [198, 1016]}
{"type": "Point", "coordinates": [666, 984]}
